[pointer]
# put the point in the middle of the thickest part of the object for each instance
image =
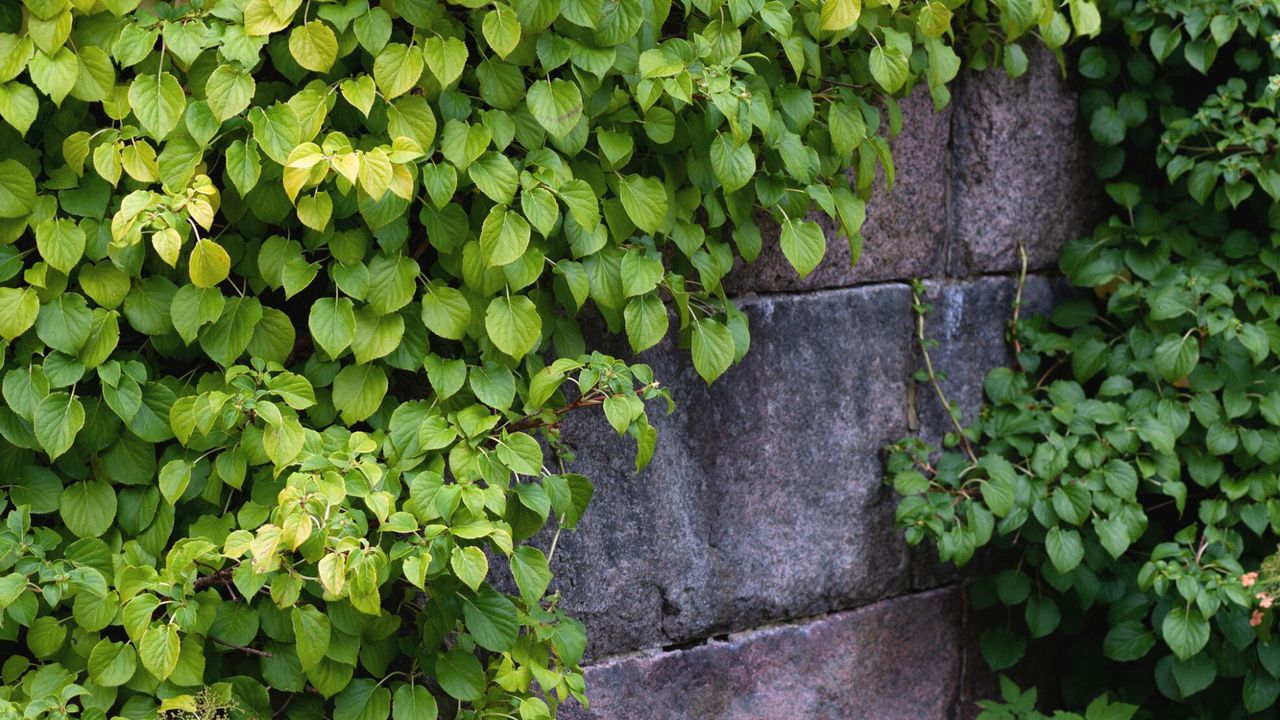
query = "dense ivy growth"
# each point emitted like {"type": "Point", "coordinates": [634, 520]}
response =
{"type": "Point", "coordinates": [290, 297]}
{"type": "Point", "coordinates": [1129, 464]}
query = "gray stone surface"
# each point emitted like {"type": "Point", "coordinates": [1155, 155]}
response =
{"type": "Point", "coordinates": [906, 227]}
{"type": "Point", "coordinates": [899, 659]}
{"type": "Point", "coordinates": [764, 500]}
{"type": "Point", "coordinates": [1020, 170]}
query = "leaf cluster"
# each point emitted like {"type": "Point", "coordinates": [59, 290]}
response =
{"type": "Point", "coordinates": [1127, 467]}
{"type": "Point", "coordinates": [293, 297]}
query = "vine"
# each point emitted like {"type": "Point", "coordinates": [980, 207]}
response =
{"type": "Point", "coordinates": [1125, 473]}
{"type": "Point", "coordinates": [290, 300]}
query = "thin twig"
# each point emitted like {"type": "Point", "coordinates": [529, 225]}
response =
{"type": "Point", "coordinates": [1017, 305]}
{"type": "Point", "coordinates": [241, 648]}
{"type": "Point", "coordinates": [287, 699]}
{"type": "Point", "coordinates": [933, 377]}
{"type": "Point", "coordinates": [531, 422]}
{"type": "Point", "coordinates": [218, 578]}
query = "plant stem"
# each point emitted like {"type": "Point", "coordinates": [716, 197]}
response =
{"type": "Point", "coordinates": [933, 376]}
{"type": "Point", "coordinates": [241, 648]}
{"type": "Point", "coordinates": [1017, 305]}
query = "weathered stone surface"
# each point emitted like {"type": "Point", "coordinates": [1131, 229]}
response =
{"type": "Point", "coordinates": [899, 659]}
{"type": "Point", "coordinates": [764, 500]}
{"type": "Point", "coordinates": [1020, 169]}
{"type": "Point", "coordinates": [905, 229]}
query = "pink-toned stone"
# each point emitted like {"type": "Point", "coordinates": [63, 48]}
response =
{"type": "Point", "coordinates": [899, 659]}
{"type": "Point", "coordinates": [1020, 169]}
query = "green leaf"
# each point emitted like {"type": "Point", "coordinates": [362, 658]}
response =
{"type": "Point", "coordinates": [392, 281]}
{"type": "Point", "coordinates": [839, 15]}
{"type": "Point", "coordinates": [372, 29]}
{"type": "Point", "coordinates": [46, 636]}
{"type": "Point", "coordinates": [641, 273]}
{"type": "Point", "coordinates": [1072, 502]}
{"type": "Point", "coordinates": [1128, 641]}
{"type": "Point", "coordinates": [332, 322]}
{"type": "Point", "coordinates": [112, 664]}
{"type": "Point", "coordinates": [1177, 356]}
{"type": "Point", "coordinates": [158, 102]}
{"type": "Point", "coordinates": [1185, 631]}
{"type": "Point", "coordinates": [734, 165]}
{"type": "Point", "coordinates": [65, 323]}
{"type": "Point", "coordinates": [1195, 674]}
{"type": "Point", "coordinates": [174, 478]}
{"type": "Point", "coordinates": [446, 58]}
{"type": "Point", "coordinates": [1065, 549]}
{"type": "Point", "coordinates": [311, 629]}
{"type": "Point", "coordinates": [60, 242]}
{"type": "Point", "coordinates": [803, 244]}
{"type": "Point", "coordinates": [276, 130]}
{"type": "Point", "coordinates": [376, 335]}
{"type": "Point", "coordinates": [645, 200]}
{"type": "Point", "coordinates": [244, 167]}
{"type": "Point", "coordinates": [360, 92]}
{"type": "Point", "coordinates": [314, 46]}
{"type": "Point", "coordinates": [470, 565]}
{"type": "Point", "coordinates": [413, 702]}
{"type": "Point", "coordinates": [358, 391]}
{"type": "Point", "coordinates": [646, 322]}
{"type": "Point", "coordinates": [58, 419]}
{"type": "Point", "coordinates": [888, 67]}
{"type": "Point", "coordinates": [54, 75]}
{"type": "Point", "coordinates": [19, 106]}
{"type": "Point", "coordinates": [713, 348]}
{"type": "Point", "coordinates": [1114, 536]}
{"type": "Point", "coordinates": [363, 699]}
{"type": "Point", "coordinates": [491, 620]}
{"type": "Point", "coordinates": [1086, 18]}
{"type": "Point", "coordinates": [581, 200]}
{"type": "Point", "coordinates": [88, 508]}
{"type": "Point", "coordinates": [209, 264]}
{"type": "Point", "coordinates": [504, 236]}
{"type": "Point", "coordinates": [531, 572]}
{"type": "Point", "coordinates": [18, 311]}
{"type": "Point", "coordinates": [228, 90]}
{"type": "Point", "coordinates": [513, 324]}
{"type": "Point", "coordinates": [460, 674]}
{"type": "Point", "coordinates": [556, 105]}
{"type": "Point", "coordinates": [17, 190]}
{"type": "Point", "coordinates": [1261, 690]}
{"type": "Point", "coordinates": [228, 338]}
{"type": "Point", "coordinates": [1001, 647]}
{"type": "Point", "coordinates": [446, 312]}
{"type": "Point", "coordinates": [397, 68]}
{"type": "Point", "coordinates": [495, 176]}
{"type": "Point", "coordinates": [441, 182]}
{"type": "Point", "coordinates": [520, 452]}
{"type": "Point", "coordinates": [461, 143]}
{"type": "Point", "coordinates": [501, 29]}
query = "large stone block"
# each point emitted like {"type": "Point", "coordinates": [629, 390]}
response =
{"type": "Point", "coordinates": [1020, 169]}
{"type": "Point", "coordinates": [764, 500]}
{"type": "Point", "coordinates": [906, 227]}
{"type": "Point", "coordinates": [899, 659]}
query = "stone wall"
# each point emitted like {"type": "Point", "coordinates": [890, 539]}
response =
{"type": "Point", "coordinates": [753, 572]}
